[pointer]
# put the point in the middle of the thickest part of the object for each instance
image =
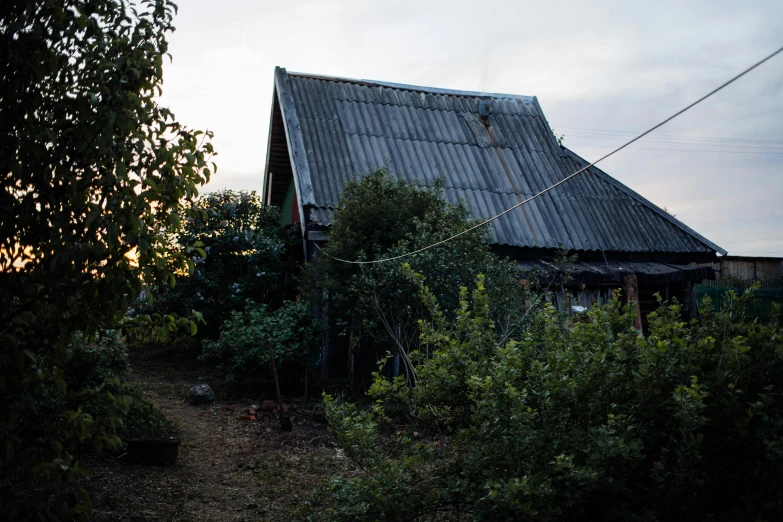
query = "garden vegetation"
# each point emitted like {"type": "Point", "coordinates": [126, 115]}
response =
{"type": "Point", "coordinates": [485, 402]}
{"type": "Point", "coordinates": [94, 176]}
{"type": "Point", "coordinates": [584, 419]}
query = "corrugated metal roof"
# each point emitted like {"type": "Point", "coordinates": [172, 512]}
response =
{"type": "Point", "coordinates": [350, 127]}
{"type": "Point", "coordinates": [647, 273]}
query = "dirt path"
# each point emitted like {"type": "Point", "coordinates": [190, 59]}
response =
{"type": "Point", "coordinates": [227, 470]}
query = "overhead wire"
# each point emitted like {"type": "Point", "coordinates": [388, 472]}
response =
{"type": "Point", "coordinates": [756, 252]}
{"type": "Point", "coordinates": [754, 240]}
{"type": "Point", "coordinates": [669, 141]}
{"type": "Point", "coordinates": [745, 235]}
{"type": "Point", "coordinates": [690, 150]}
{"type": "Point", "coordinates": [580, 130]}
{"type": "Point", "coordinates": [188, 96]}
{"type": "Point", "coordinates": [197, 87]}
{"type": "Point", "coordinates": [570, 176]}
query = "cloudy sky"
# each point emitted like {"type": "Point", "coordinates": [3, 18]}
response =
{"type": "Point", "coordinates": [601, 70]}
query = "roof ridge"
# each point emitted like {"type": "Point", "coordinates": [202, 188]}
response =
{"type": "Point", "coordinates": [413, 88]}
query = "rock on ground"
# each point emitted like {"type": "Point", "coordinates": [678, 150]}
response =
{"type": "Point", "coordinates": [201, 394]}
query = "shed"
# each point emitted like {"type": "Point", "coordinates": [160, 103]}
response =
{"type": "Point", "coordinates": [493, 150]}
{"type": "Point", "coordinates": [745, 269]}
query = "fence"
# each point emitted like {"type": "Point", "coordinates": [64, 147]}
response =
{"type": "Point", "coordinates": [764, 298]}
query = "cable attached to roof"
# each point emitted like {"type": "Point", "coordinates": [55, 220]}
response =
{"type": "Point", "coordinates": [531, 198]}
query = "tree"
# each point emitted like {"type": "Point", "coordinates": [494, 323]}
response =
{"type": "Point", "coordinates": [244, 286]}
{"type": "Point", "coordinates": [574, 420]}
{"type": "Point", "coordinates": [380, 217]}
{"type": "Point", "coordinates": [245, 253]}
{"type": "Point", "coordinates": [93, 175]}
{"type": "Point", "coordinates": [241, 354]}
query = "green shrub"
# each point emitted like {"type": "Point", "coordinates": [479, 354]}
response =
{"type": "Point", "coordinates": [575, 421]}
{"type": "Point", "coordinates": [241, 352]}
{"type": "Point", "coordinates": [245, 253]}
{"type": "Point", "coordinates": [378, 303]}
{"type": "Point", "coordinates": [144, 419]}
{"type": "Point", "coordinates": [90, 411]}
{"type": "Point", "coordinates": [89, 363]}
{"type": "Point", "coordinates": [95, 375]}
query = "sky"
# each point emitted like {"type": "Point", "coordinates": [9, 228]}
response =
{"type": "Point", "coordinates": [601, 70]}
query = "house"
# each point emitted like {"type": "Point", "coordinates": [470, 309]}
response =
{"type": "Point", "coordinates": [494, 150]}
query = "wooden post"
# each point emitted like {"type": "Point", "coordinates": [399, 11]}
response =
{"type": "Point", "coordinates": [694, 301]}
{"type": "Point", "coordinates": [285, 420]}
{"type": "Point", "coordinates": [325, 356]}
{"type": "Point", "coordinates": [526, 285]}
{"type": "Point", "coordinates": [349, 362]}
{"type": "Point", "coordinates": [632, 295]}
{"type": "Point", "coordinates": [325, 339]}
{"type": "Point", "coordinates": [307, 359]}
{"type": "Point", "coordinates": [305, 393]}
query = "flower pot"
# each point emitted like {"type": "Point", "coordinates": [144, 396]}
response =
{"type": "Point", "coordinates": [152, 451]}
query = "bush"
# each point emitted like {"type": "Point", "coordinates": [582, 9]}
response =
{"type": "Point", "coordinates": [90, 363]}
{"type": "Point", "coordinates": [378, 302]}
{"type": "Point", "coordinates": [242, 353]}
{"type": "Point", "coordinates": [245, 253]}
{"type": "Point", "coordinates": [575, 421]}
{"type": "Point", "coordinates": [91, 409]}
{"type": "Point", "coordinates": [96, 371]}
{"type": "Point", "coordinates": [143, 418]}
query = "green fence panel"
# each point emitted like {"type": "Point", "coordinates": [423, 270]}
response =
{"type": "Point", "coordinates": [761, 307]}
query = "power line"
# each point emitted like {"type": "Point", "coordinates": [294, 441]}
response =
{"type": "Point", "coordinates": [674, 136]}
{"type": "Point", "coordinates": [188, 96]}
{"type": "Point", "coordinates": [751, 252]}
{"type": "Point", "coordinates": [756, 233]}
{"type": "Point", "coordinates": [681, 141]}
{"type": "Point", "coordinates": [688, 150]}
{"type": "Point", "coordinates": [197, 87]}
{"type": "Point", "coordinates": [618, 149]}
{"type": "Point", "coordinates": [177, 104]}
{"type": "Point", "coordinates": [755, 240]}
{"type": "Point", "coordinates": [669, 141]}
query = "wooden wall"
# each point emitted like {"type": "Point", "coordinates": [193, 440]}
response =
{"type": "Point", "coordinates": [648, 302]}
{"type": "Point", "coordinates": [278, 165]}
{"type": "Point", "coordinates": [747, 268]}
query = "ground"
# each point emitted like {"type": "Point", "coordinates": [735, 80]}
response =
{"type": "Point", "coordinates": [227, 469]}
